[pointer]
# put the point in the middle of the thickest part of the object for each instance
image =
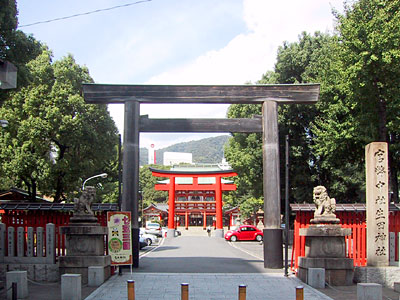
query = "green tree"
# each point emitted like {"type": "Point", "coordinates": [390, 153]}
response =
{"type": "Point", "coordinates": [54, 140]}
{"type": "Point", "coordinates": [15, 46]}
{"type": "Point", "coordinates": [147, 184]}
{"type": "Point", "coordinates": [244, 154]}
{"type": "Point", "coordinates": [358, 69]}
{"type": "Point", "coordinates": [297, 62]}
{"type": "Point", "coordinates": [370, 53]}
{"type": "Point", "coordinates": [249, 207]}
{"type": "Point", "coordinates": [338, 148]}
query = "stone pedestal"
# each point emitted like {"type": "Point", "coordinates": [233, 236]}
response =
{"type": "Point", "coordinates": [219, 233]}
{"type": "Point", "coordinates": [170, 233]}
{"type": "Point", "coordinates": [84, 248]}
{"type": "Point", "coordinates": [369, 291]}
{"type": "Point", "coordinates": [326, 248]}
{"type": "Point", "coordinates": [71, 287]}
{"type": "Point", "coordinates": [21, 278]}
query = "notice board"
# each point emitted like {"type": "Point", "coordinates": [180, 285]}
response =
{"type": "Point", "coordinates": [119, 237]}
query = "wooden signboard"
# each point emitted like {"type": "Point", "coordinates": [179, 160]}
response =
{"type": "Point", "coordinates": [119, 237]}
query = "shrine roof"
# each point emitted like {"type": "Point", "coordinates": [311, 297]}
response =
{"type": "Point", "coordinates": [54, 206]}
{"type": "Point", "coordinates": [158, 206]}
{"type": "Point", "coordinates": [189, 180]}
{"type": "Point", "coordinates": [197, 171]}
{"type": "Point", "coordinates": [357, 207]}
{"type": "Point", "coordinates": [233, 209]}
{"type": "Point", "coordinates": [15, 194]}
{"type": "Point", "coordinates": [197, 168]}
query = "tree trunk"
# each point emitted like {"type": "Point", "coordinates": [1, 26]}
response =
{"type": "Point", "coordinates": [382, 129]}
{"type": "Point", "coordinates": [33, 191]}
{"type": "Point", "coordinates": [383, 136]}
{"type": "Point", "coordinates": [393, 179]}
{"type": "Point", "coordinates": [394, 184]}
{"type": "Point", "coordinates": [59, 188]}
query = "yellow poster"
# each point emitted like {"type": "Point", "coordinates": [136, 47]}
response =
{"type": "Point", "coordinates": [119, 237]}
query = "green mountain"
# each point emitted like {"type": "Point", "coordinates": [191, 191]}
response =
{"type": "Point", "coordinates": [209, 150]}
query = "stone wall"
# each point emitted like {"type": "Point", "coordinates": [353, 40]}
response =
{"type": "Point", "coordinates": [385, 276]}
{"type": "Point", "coordinates": [31, 251]}
{"type": "Point", "coordinates": [36, 272]}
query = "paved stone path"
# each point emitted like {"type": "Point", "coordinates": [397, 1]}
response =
{"type": "Point", "coordinates": [212, 268]}
{"type": "Point", "coordinates": [151, 286]}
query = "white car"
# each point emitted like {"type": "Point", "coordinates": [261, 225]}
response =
{"type": "Point", "coordinates": [148, 238]}
{"type": "Point", "coordinates": [153, 228]}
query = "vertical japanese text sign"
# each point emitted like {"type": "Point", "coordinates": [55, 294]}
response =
{"type": "Point", "coordinates": [376, 158]}
{"type": "Point", "coordinates": [119, 237]}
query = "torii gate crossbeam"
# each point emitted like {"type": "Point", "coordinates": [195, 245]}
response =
{"type": "Point", "coordinates": [267, 95]}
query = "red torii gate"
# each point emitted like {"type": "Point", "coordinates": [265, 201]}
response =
{"type": "Point", "coordinates": [218, 187]}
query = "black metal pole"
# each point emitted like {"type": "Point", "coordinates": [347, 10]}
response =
{"type": "Point", "coordinates": [287, 206]}
{"type": "Point", "coordinates": [119, 171]}
{"type": "Point", "coordinates": [14, 290]}
{"type": "Point", "coordinates": [119, 183]}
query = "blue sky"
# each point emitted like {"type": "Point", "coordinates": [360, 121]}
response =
{"type": "Point", "coordinates": [174, 42]}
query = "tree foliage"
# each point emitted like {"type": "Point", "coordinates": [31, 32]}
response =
{"type": "Point", "coordinates": [244, 153]}
{"type": "Point", "coordinates": [370, 44]}
{"type": "Point", "coordinates": [54, 140]}
{"type": "Point", "coordinates": [245, 150]}
{"type": "Point", "coordinates": [358, 69]}
{"type": "Point", "coordinates": [147, 184]}
{"type": "Point", "coordinates": [15, 46]}
{"type": "Point", "coordinates": [359, 96]}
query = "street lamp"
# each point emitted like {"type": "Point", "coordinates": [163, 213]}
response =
{"type": "Point", "coordinates": [4, 123]}
{"type": "Point", "coordinates": [102, 175]}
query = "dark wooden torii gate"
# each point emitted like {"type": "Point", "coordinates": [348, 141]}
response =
{"type": "Point", "coordinates": [267, 95]}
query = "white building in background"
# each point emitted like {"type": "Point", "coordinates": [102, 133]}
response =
{"type": "Point", "coordinates": [175, 158]}
{"type": "Point", "coordinates": [152, 155]}
{"type": "Point", "coordinates": [224, 165]}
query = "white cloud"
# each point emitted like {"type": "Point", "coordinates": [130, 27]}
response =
{"type": "Point", "coordinates": [244, 58]}
{"type": "Point", "coordinates": [247, 56]}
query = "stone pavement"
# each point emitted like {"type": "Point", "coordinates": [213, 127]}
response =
{"type": "Point", "coordinates": [151, 286]}
{"type": "Point", "coordinates": [212, 267]}
{"type": "Point", "coordinates": [45, 291]}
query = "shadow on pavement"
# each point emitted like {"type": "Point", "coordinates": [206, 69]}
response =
{"type": "Point", "coordinates": [199, 265]}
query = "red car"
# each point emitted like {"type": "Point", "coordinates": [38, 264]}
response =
{"type": "Point", "coordinates": [244, 233]}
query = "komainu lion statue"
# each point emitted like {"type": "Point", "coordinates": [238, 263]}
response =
{"type": "Point", "coordinates": [325, 207]}
{"type": "Point", "coordinates": [82, 206]}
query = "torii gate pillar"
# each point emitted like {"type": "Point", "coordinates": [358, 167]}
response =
{"type": "Point", "coordinates": [273, 254]}
{"type": "Point", "coordinates": [130, 172]}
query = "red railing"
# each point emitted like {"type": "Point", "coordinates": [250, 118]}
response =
{"type": "Point", "coordinates": [355, 243]}
{"type": "Point", "coordinates": [394, 226]}
{"type": "Point", "coordinates": [39, 218]}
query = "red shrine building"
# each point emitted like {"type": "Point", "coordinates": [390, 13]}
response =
{"type": "Point", "coordinates": [194, 197]}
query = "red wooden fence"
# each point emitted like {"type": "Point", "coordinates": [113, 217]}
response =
{"type": "Point", "coordinates": [39, 218]}
{"type": "Point", "coordinates": [356, 243]}
{"type": "Point", "coordinates": [394, 226]}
